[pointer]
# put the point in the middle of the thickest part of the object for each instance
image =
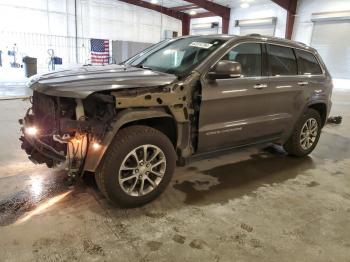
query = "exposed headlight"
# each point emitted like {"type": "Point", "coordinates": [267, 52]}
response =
{"type": "Point", "coordinates": [31, 131]}
{"type": "Point", "coordinates": [96, 146]}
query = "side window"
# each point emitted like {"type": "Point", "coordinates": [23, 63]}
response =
{"type": "Point", "coordinates": [282, 61]}
{"type": "Point", "coordinates": [249, 56]}
{"type": "Point", "coordinates": [307, 63]}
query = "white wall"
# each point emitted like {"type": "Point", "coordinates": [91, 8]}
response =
{"type": "Point", "coordinates": [108, 19]}
{"type": "Point", "coordinates": [37, 25]}
{"type": "Point", "coordinates": [260, 11]}
{"type": "Point", "coordinates": [303, 26]}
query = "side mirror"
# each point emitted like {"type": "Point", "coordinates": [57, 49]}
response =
{"type": "Point", "coordinates": [226, 69]}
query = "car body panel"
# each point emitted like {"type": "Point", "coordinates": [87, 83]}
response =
{"type": "Point", "coordinates": [83, 81]}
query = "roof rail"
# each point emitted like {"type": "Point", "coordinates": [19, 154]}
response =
{"type": "Point", "coordinates": [254, 35]}
{"type": "Point", "coordinates": [301, 43]}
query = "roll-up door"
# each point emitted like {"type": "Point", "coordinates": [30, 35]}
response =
{"type": "Point", "coordinates": [262, 26]}
{"type": "Point", "coordinates": [205, 29]}
{"type": "Point", "coordinates": [331, 38]}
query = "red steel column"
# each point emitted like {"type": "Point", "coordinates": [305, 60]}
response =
{"type": "Point", "coordinates": [186, 22]}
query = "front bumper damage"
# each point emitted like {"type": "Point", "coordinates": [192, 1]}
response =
{"type": "Point", "coordinates": [65, 129]}
{"type": "Point", "coordinates": [38, 151]}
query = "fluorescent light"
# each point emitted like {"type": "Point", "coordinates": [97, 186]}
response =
{"type": "Point", "coordinates": [154, 1]}
{"type": "Point", "coordinates": [245, 5]}
{"type": "Point", "coordinates": [192, 12]}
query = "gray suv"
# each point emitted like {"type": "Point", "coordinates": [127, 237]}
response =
{"type": "Point", "coordinates": [130, 124]}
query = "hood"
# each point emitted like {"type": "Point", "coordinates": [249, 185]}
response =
{"type": "Point", "coordinates": [82, 81]}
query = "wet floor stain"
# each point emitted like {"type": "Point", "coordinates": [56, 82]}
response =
{"type": "Point", "coordinates": [198, 244]}
{"type": "Point", "coordinates": [244, 177]}
{"type": "Point", "coordinates": [312, 184]}
{"type": "Point", "coordinates": [154, 245]}
{"type": "Point", "coordinates": [92, 248]}
{"type": "Point", "coordinates": [270, 166]}
{"type": "Point", "coordinates": [15, 205]}
{"type": "Point", "coordinates": [179, 239]}
{"type": "Point", "coordinates": [247, 227]}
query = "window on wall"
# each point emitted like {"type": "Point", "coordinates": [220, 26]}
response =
{"type": "Point", "coordinates": [282, 61]}
{"type": "Point", "coordinates": [307, 63]}
{"type": "Point", "coordinates": [249, 56]}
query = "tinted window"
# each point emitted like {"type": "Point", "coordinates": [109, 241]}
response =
{"type": "Point", "coordinates": [307, 63]}
{"type": "Point", "coordinates": [249, 56]}
{"type": "Point", "coordinates": [282, 61]}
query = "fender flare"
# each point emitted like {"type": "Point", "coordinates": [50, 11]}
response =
{"type": "Point", "coordinates": [94, 157]}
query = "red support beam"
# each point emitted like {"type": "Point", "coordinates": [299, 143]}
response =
{"type": "Point", "coordinates": [290, 25]}
{"type": "Point", "coordinates": [291, 7]}
{"type": "Point", "coordinates": [204, 14]}
{"type": "Point", "coordinates": [185, 18]}
{"type": "Point", "coordinates": [183, 7]}
{"type": "Point", "coordinates": [217, 9]}
{"type": "Point", "coordinates": [186, 23]}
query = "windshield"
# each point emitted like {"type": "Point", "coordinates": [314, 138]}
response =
{"type": "Point", "coordinates": [179, 57]}
{"type": "Point", "coordinates": [145, 51]}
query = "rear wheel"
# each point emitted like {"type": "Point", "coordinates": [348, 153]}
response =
{"type": "Point", "coordinates": [306, 134]}
{"type": "Point", "coordinates": [137, 167]}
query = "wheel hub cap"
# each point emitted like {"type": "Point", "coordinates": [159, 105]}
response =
{"type": "Point", "coordinates": [142, 170]}
{"type": "Point", "coordinates": [308, 134]}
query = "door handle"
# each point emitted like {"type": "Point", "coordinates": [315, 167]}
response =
{"type": "Point", "coordinates": [303, 83]}
{"type": "Point", "coordinates": [260, 86]}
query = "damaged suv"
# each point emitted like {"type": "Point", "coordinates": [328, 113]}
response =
{"type": "Point", "coordinates": [132, 123]}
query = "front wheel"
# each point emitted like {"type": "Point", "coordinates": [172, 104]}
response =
{"type": "Point", "coordinates": [306, 134]}
{"type": "Point", "coordinates": [137, 166]}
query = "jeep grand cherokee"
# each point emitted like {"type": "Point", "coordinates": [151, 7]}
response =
{"type": "Point", "coordinates": [131, 123]}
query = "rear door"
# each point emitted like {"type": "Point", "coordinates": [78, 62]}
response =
{"type": "Point", "coordinates": [286, 85]}
{"type": "Point", "coordinates": [239, 111]}
{"type": "Point", "coordinates": [311, 74]}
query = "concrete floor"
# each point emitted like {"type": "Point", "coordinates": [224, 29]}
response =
{"type": "Point", "coordinates": [248, 206]}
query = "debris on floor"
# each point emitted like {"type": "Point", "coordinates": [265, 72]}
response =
{"type": "Point", "coordinates": [335, 120]}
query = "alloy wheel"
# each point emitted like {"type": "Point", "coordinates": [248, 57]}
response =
{"type": "Point", "coordinates": [142, 170]}
{"type": "Point", "coordinates": [308, 134]}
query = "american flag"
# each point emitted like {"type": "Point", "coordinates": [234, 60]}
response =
{"type": "Point", "coordinates": [99, 51]}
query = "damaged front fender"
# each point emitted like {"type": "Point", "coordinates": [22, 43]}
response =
{"type": "Point", "coordinates": [95, 154]}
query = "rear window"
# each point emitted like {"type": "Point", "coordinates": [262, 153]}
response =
{"type": "Point", "coordinates": [307, 63]}
{"type": "Point", "coordinates": [282, 61]}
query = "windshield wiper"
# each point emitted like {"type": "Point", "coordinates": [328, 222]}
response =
{"type": "Point", "coordinates": [144, 67]}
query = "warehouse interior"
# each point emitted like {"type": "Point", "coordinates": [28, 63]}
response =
{"type": "Point", "coordinates": [254, 204]}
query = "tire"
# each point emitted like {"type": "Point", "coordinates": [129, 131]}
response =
{"type": "Point", "coordinates": [296, 145]}
{"type": "Point", "coordinates": [121, 175]}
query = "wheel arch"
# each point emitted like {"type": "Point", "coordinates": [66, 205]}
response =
{"type": "Point", "coordinates": [321, 108]}
{"type": "Point", "coordinates": [129, 117]}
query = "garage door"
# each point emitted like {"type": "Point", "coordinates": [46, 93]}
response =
{"type": "Point", "coordinates": [264, 26]}
{"type": "Point", "coordinates": [262, 30]}
{"type": "Point", "coordinates": [332, 40]}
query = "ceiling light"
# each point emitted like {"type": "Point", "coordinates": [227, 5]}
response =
{"type": "Point", "coordinates": [192, 12]}
{"type": "Point", "coordinates": [245, 5]}
{"type": "Point", "coordinates": [154, 1]}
